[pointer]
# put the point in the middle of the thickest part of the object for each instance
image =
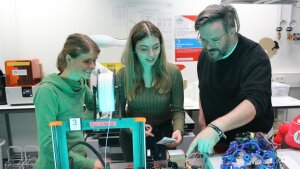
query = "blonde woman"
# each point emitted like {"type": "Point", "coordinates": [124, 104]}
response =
{"type": "Point", "coordinates": [152, 88]}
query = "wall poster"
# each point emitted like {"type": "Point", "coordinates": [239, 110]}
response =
{"type": "Point", "coordinates": [187, 47]}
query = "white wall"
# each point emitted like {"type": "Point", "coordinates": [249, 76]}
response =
{"type": "Point", "coordinates": [287, 59]}
{"type": "Point", "coordinates": [35, 28]}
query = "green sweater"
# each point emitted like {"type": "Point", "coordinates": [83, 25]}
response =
{"type": "Point", "coordinates": [60, 99]}
{"type": "Point", "coordinates": [157, 108]}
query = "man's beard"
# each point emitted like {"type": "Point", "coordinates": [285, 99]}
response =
{"type": "Point", "coordinates": [216, 54]}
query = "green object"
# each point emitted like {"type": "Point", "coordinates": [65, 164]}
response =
{"type": "Point", "coordinates": [58, 99]}
{"type": "Point", "coordinates": [60, 128]}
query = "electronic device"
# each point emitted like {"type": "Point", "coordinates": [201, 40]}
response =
{"type": "Point", "coordinates": [23, 72]}
{"type": "Point", "coordinates": [175, 158]}
{"type": "Point", "coordinates": [22, 78]}
{"type": "Point", "coordinates": [20, 95]}
{"type": "Point", "coordinates": [2, 89]}
{"type": "Point", "coordinates": [251, 150]}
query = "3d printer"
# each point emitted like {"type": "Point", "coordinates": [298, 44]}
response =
{"type": "Point", "coordinates": [22, 77]}
{"type": "Point", "coordinates": [105, 89]}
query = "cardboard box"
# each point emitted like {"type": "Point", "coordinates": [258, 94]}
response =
{"type": "Point", "coordinates": [177, 156]}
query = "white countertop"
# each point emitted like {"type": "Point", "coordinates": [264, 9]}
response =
{"type": "Point", "coordinates": [285, 101]}
{"type": "Point", "coordinates": [189, 104]}
{"type": "Point", "coordinates": [277, 102]}
{"type": "Point", "coordinates": [21, 107]}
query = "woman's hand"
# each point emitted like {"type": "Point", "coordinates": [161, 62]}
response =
{"type": "Point", "coordinates": [178, 139]}
{"type": "Point", "coordinates": [148, 130]}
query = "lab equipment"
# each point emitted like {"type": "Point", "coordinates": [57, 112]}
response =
{"type": "Point", "coordinates": [59, 140]}
{"type": "Point", "coordinates": [22, 78]}
{"type": "Point", "coordinates": [2, 88]}
{"type": "Point", "coordinates": [22, 72]}
{"type": "Point", "coordinates": [251, 150]}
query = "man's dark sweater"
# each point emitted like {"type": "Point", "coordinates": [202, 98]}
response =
{"type": "Point", "coordinates": [244, 75]}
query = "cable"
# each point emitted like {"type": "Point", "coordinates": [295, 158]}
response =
{"type": "Point", "coordinates": [90, 147]}
{"type": "Point", "coordinates": [95, 104]}
{"type": "Point", "coordinates": [193, 154]}
{"type": "Point", "coordinates": [108, 126]}
{"type": "Point", "coordinates": [55, 148]}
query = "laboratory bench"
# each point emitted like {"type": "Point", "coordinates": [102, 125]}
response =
{"type": "Point", "coordinates": [8, 110]}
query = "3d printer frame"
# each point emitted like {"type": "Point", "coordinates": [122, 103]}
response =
{"type": "Point", "coordinates": [59, 139]}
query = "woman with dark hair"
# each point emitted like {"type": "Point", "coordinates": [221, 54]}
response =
{"type": "Point", "coordinates": [152, 88]}
{"type": "Point", "coordinates": [62, 96]}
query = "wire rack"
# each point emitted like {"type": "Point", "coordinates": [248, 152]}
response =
{"type": "Point", "coordinates": [19, 158]}
{"type": "Point", "coordinates": [31, 154]}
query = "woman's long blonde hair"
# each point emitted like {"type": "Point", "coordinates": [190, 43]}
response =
{"type": "Point", "coordinates": [133, 70]}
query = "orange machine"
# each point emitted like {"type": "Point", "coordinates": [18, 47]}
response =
{"type": "Point", "coordinates": [23, 72]}
{"type": "Point", "coordinates": [22, 78]}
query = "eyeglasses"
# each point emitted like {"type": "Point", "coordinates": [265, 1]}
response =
{"type": "Point", "coordinates": [214, 41]}
{"type": "Point", "coordinates": [146, 50]}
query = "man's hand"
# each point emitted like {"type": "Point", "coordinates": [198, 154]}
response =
{"type": "Point", "coordinates": [205, 140]}
{"type": "Point", "coordinates": [98, 165]}
{"type": "Point", "coordinates": [148, 130]}
{"type": "Point", "coordinates": [178, 137]}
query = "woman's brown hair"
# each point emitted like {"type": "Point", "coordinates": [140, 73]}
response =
{"type": "Point", "coordinates": [75, 45]}
{"type": "Point", "coordinates": [133, 71]}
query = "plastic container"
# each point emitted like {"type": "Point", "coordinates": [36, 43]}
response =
{"type": "Point", "coordinates": [280, 89]}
